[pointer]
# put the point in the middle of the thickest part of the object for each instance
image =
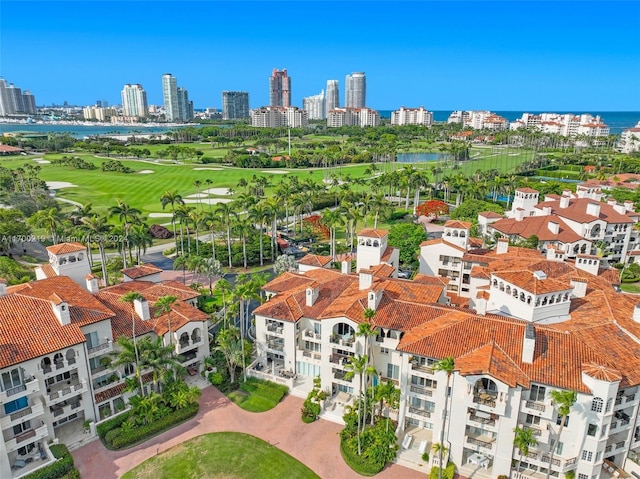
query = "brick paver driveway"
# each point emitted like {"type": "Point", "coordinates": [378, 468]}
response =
{"type": "Point", "coordinates": [317, 445]}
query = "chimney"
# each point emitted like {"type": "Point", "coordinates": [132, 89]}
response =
{"type": "Point", "coordinates": [60, 309]}
{"type": "Point", "coordinates": [91, 283]}
{"type": "Point", "coordinates": [553, 227]}
{"type": "Point", "coordinates": [564, 201]}
{"type": "Point", "coordinates": [502, 246]}
{"type": "Point", "coordinates": [620, 209]}
{"type": "Point", "coordinates": [588, 263]}
{"type": "Point", "coordinates": [311, 294]}
{"type": "Point", "coordinates": [593, 209]}
{"type": "Point", "coordinates": [3, 287]}
{"type": "Point", "coordinates": [579, 286]}
{"type": "Point", "coordinates": [481, 303]}
{"type": "Point", "coordinates": [373, 299]}
{"type": "Point", "coordinates": [366, 279]}
{"type": "Point", "coordinates": [141, 307]}
{"type": "Point", "coordinates": [568, 193]}
{"type": "Point", "coordinates": [554, 254]}
{"type": "Point", "coordinates": [528, 344]}
{"type": "Point", "coordinates": [612, 202]}
{"type": "Point", "coordinates": [519, 214]}
{"type": "Point", "coordinates": [636, 313]}
{"type": "Point", "coordinates": [345, 266]}
{"type": "Point", "coordinates": [546, 210]}
{"type": "Point", "coordinates": [628, 205]}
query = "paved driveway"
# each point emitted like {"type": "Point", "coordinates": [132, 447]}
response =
{"type": "Point", "coordinates": [317, 445]}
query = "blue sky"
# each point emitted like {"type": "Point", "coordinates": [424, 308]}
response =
{"type": "Point", "coordinates": [505, 55]}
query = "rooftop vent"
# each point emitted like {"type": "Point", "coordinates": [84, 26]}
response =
{"type": "Point", "coordinates": [540, 274]}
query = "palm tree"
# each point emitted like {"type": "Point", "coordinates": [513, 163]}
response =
{"type": "Point", "coordinates": [446, 365]}
{"type": "Point", "coordinates": [173, 198]}
{"type": "Point", "coordinates": [259, 215]}
{"type": "Point", "coordinates": [161, 359]}
{"type": "Point", "coordinates": [225, 288]}
{"type": "Point", "coordinates": [229, 345]}
{"type": "Point", "coordinates": [182, 213]}
{"type": "Point", "coordinates": [523, 439]}
{"type": "Point", "coordinates": [359, 365]}
{"type": "Point", "coordinates": [225, 211]}
{"type": "Point", "coordinates": [163, 306]}
{"type": "Point", "coordinates": [98, 227]}
{"type": "Point", "coordinates": [367, 330]}
{"type": "Point", "coordinates": [244, 291]}
{"type": "Point", "coordinates": [331, 219]}
{"type": "Point", "coordinates": [563, 401]}
{"type": "Point", "coordinates": [127, 215]}
{"type": "Point", "coordinates": [182, 262]}
{"type": "Point", "coordinates": [140, 238]}
{"type": "Point", "coordinates": [130, 297]}
{"type": "Point", "coordinates": [243, 227]}
{"type": "Point", "coordinates": [49, 218]}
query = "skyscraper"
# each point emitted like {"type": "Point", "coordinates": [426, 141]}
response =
{"type": "Point", "coordinates": [13, 101]}
{"type": "Point", "coordinates": [235, 105]}
{"type": "Point", "coordinates": [279, 88]}
{"type": "Point", "coordinates": [170, 97]}
{"type": "Point", "coordinates": [332, 100]}
{"type": "Point", "coordinates": [134, 100]}
{"type": "Point", "coordinates": [185, 107]}
{"type": "Point", "coordinates": [356, 90]}
{"type": "Point", "coordinates": [314, 106]}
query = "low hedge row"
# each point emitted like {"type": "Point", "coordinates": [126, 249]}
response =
{"type": "Point", "coordinates": [107, 426]}
{"type": "Point", "coordinates": [59, 469]}
{"type": "Point", "coordinates": [358, 463]}
{"type": "Point", "coordinates": [266, 389]}
{"type": "Point", "coordinates": [118, 439]}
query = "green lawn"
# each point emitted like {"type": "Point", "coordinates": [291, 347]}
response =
{"type": "Point", "coordinates": [630, 287]}
{"type": "Point", "coordinates": [256, 395]}
{"type": "Point", "coordinates": [225, 455]}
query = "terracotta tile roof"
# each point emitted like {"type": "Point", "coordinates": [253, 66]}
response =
{"type": "Point", "coordinates": [315, 260]}
{"type": "Point", "coordinates": [141, 271]}
{"type": "Point", "coordinates": [181, 314]}
{"type": "Point", "coordinates": [475, 243]}
{"type": "Point", "coordinates": [457, 224]}
{"type": "Point", "coordinates": [386, 255]}
{"type": "Point", "coordinates": [48, 270]}
{"type": "Point", "coordinates": [577, 211]}
{"type": "Point", "coordinates": [373, 233]}
{"type": "Point", "coordinates": [537, 225]}
{"type": "Point", "coordinates": [64, 248]}
{"type": "Point", "coordinates": [601, 373]}
{"type": "Point", "coordinates": [442, 241]}
{"type": "Point", "coordinates": [527, 190]}
{"type": "Point", "coordinates": [383, 270]}
{"type": "Point", "coordinates": [531, 283]}
{"type": "Point", "coordinates": [491, 360]}
{"type": "Point", "coordinates": [117, 390]}
{"type": "Point", "coordinates": [425, 279]}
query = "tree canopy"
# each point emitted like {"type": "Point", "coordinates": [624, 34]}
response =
{"type": "Point", "coordinates": [469, 209]}
{"type": "Point", "coordinates": [407, 237]}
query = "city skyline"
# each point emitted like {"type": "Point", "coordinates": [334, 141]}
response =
{"type": "Point", "coordinates": [558, 56]}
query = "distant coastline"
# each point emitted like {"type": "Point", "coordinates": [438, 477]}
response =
{"type": "Point", "coordinates": [617, 121]}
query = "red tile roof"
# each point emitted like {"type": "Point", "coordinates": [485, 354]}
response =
{"type": "Point", "coordinates": [141, 271]}
{"type": "Point", "coordinates": [539, 226]}
{"type": "Point", "coordinates": [315, 260]}
{"type": "Point", "coordinates": [490, 214]}
{"type": "Point", "coordinates": [373, 233]}
{"type": "Point", "coordinates": [577, 211]}
{"type": "Point", "coordinates": [457, 224]}
{"type": "Point", "coordinates": [64, 248]}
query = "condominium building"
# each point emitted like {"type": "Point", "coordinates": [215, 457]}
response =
{"type": "Point", "coordinates": [185, 106]}
{"type": "Point", "coordinates": [57, 342]}
{"type": "Point", "coordinates": [134, 101]}
{"type": "Point", "coordinates": [272, 117]}
{"type": "Point", "coordinates": [314, 106]}
{"type": "Point", "coordinates": [479, 120]}
{"type": "Point", "coordinates": [14, 101]}
{"type": "Point", "coordinates": [412, 116]}
{"type": "Point", "coordinates": [356, 90]}
{"type": "Point", "coordinates": [98, 113]}
{"type": "Point", "coordinates": [332, 100]}
{"type": "Point", "coordinates": [235, 105]}
{"type": "Point", "coordinates": [535, 325]}
{"type": "Point", "coordinates": [177, 106]}
{"type": "Point", "coordinates": [564, 124]}
{"type": "Point", "coordinates": [352, 117]}
{"type": "Point", "coordinates": [279, 88]}
{"type": "Point", "coordinates": [630, 140]}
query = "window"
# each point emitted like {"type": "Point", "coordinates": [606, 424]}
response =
{"type": "Point", "coordinates": [598, 456]}
{"type": "Point", "coordinates": [559, 420]}
{"type": "Point", "coordinates": [559, 448]}
{"type": "Point", "coordinates": [592, 429]}
{"type": "Point", "coordinates": [596, 405]}
{"type": "Point", "coordinates": [20, 428]}
{"type": "Point", "coordinates": [587, 455]}
{"type": "Point", "coordinates": [384, 350]}
{"type": "Point", "coordinates": [603, 433]}
{"type": "Point", "coordinates": [129, 369]}
{"type": "Point", "coordinates": [537, 393]}
{"type": "Point", "coordinates": [609, 403]}
{"type": "Point", "coordinates": [11, 379]}
{"type": "Point", "coordinates": [393, 371]}
{"type": "Point", "coordinates": [16, 405]}
{"type": "Point", "coordinates": [583, 476]}
{"type": "Point", "coordinates": [532, 420]}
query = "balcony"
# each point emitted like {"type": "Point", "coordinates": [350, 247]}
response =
{"type": "Point", "coordinates": [489, 421]}
{"type": "Point", "coordinates": [274, 328]}
{"type": "Point", "coordinates": [419, 412]}
{"type": "Point", "coordinates": [28, 387]}
{"type": "Point", "coordinates": [536, 406]}
{"type": "Point", "coordinates": [99, 370]}
{"type": "Point", "coordinates": [30, 412]}
{"type": "Point", "coordinates": [102, 348]}
{"type": "Point", "coordinates": [485, 399]}
{"type": "Point", "coordinates": [32, 435]}
{"type": "Point", "coordinates": [308, 334]}
{"type": "Point", "coordinates": [421, 390]}
{"type": "Point", "coordinates": [342, 340]}
{"type": "Point", "coordinates": [61, 391]}
{"type": "Point", "coordinates": [341, 375]}
{"type": "Point", "coordinates": [339, 359]}
{"type": "Point", "coordinates": [276, 345]}
{"type": "Point", "coordinates": [307, 354]}
{"type": "Point", "coordinates": [423, 368]}
{"type": "Point", "coordinates": [481, 441]}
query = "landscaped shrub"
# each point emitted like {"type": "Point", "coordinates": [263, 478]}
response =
{"type": "Point", "coordinates": [216, 379]}
{"type": "Point", "coordinates": [126, 438]}
{"type": "Point", "coordinates": [107, 426]}
{"type": "Point", "coordinates": [266, 389]}
{"type": "Point", "coordinates": [448, 473]}
{"type": "Point", "coordinates": [58, 469]}
{"type": "Point", "coordinates": [160, 232]}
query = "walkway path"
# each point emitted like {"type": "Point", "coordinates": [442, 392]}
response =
{"type": "Point", "coordinates": [317, 445]}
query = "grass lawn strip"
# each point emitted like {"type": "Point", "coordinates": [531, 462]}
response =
{"type": "Point", "coordinates": [256, 395]}
{"type": "Point", "coordinates": [227, 455]}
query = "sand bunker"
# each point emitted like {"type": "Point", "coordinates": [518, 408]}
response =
{"type": "Point", "coordinates": [210, 169]}
{"type": "Point", "coordinates": [56, 185]}
{"type": "Point", "coordinates": [275, 172]}
{"type": "Point", "coordinates": [208, 201]}
{"type": "Point", "coordinates": [198, 195]}
{"type": "Point", "coordinates": [41, 161]}
{"type": "Point", "coordinates": [160, 215]}
{"type": "Point", "coordinates": [146, 172]}
{"type": "Point", "coordinates": [217, 191]}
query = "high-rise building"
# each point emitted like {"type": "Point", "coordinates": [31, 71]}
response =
{"type": "Point", "coordinates": [356, 90]}
{"type": "Point", "coordinates": [134, 101]}
{"type": "Point", "coordinates": [279, 88]}
{"type": "Point", "coordinates": [353, 117]}
{"type": "Point", "coordinates": [185, 107]}
{"type": "Point", "coordinates": [275, 116]}
{"type": "Point", "coordinates": [412, 116]}
{"type": "Point", "coordinates": [235, 105]}
{"type": "Point", "coordinates": [13, 101]}
{"type": "Point", "coordinates": [170, 96]}
{"type": "Point", "coordinates": [332, 100]}
{"type": "Point", "coordinates": [314, 106]}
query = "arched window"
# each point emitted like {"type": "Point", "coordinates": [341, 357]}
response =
{"type": "Point", "coordinates": [576, 249]}
{"type": "Point", "coordinates": [596, 404]}
{"type": "Point", "coordinates": [45, 364]}
{"type": "Point", "coordinates": [537, 301]}
{"type": "Point", "coordinates": [195, 336]}
{"type": "Point", "coordinates": [501, 286]}
{"type": "Point", "coordinates": [455, 234]}
{"type": "Point", "coordinates": [515, 293]}
{"type": "Point", "coordinates": [376, 243]}
{"type": "Point", "coordinates": [508, 289]}
{"type": "Point", "coordinates": [57, 359]}
{"type": "Point", "coordinates": [71, 356]}
{"type": "Point", "coordinates": [462, 234]}
{"type": "Point", "coordinates": [529, 299]}
{"type": "Point", "coordinates": [495, 283]}
{"type": "Point", "coordinates": [522, 297]}
{"type": "Point", "coordinates": [448, 233]}
{"type": "Point", "coordinates": [552, 299]}
{"type": "Point", "coordinates": [544, 300]}
{"type": "Point", "coordinates": [368, 242]}
{"type": "Point", "coordinates": [583, 249]}
{"type": "Point", "coordinates": [184, 339]}
{"type": "Point", "coordinates": [566, 296]}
